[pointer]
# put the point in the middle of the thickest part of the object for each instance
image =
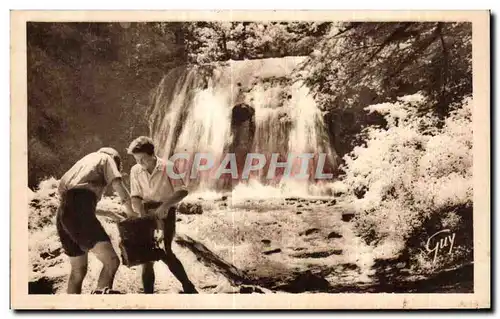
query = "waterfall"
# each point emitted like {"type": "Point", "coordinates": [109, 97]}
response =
{"type": "Point", "coordinates": [238, 107]}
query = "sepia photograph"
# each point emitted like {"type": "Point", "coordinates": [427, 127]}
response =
{"type": "Point", "coordinates": [254, 156]}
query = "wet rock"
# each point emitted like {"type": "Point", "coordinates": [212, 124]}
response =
{"type": "Point", "coordinates": [334, 235]}
{"type": "Point", "coordinates": [222, 199]}
{"type": "Point", "coordinates": [318, 254]}
{"type": "Point", "coordinates": [270, 223]}
{"type": "Point", "coordinates": [309, 232]}
{"type": "Point", "coordinates": [346, 217]}
{"type": "Point", "coordinates": [250, 290]}
{"type": "Point", "coordinates": [35, 203]}
{"type": "Point", "coordinates": [208, 287]}
{"type": "Point", "coordinates": [401, 265]}
{"type": "Point", "coordinates": [45, 255]}
{"type": "Point", "coordinates": [338, 193]}
{"type": "Point", "coordinates": [272, 251]}
{"type": "Point", "coordinates": [349, 266]}
{"type": "Point", "coordinates": [190, 209]}
{"type": "Point", "coordinates": [360, 192]}
{"type": "Point", "coordinates": [306, 281]}
{"type": "Point", "coordinates": [42, 286]}
{"type": "Point", "coordinates": [51, 254]}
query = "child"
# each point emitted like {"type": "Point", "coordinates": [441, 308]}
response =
{"type": "Point", "coordinates": [79, 230]}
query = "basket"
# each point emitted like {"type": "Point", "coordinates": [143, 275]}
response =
{"type": "Point", "coordinates": [137, 242]}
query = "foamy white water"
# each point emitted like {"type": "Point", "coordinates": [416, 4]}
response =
{"type": "Point", "coordinates": [192, 113]}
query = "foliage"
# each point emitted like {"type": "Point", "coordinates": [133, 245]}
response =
{"type": "Point", "coordinates": [411, 171]}
{"type": "Point", "coordinates": [208, 42]}
{"type": "Point", "coordinates": [89, 86]}
{"type": "Point", "coordinates": [359, 64]}
{"type": "Point", "coordinates": [43, 204]}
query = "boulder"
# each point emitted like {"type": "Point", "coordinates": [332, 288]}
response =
{"type": "Point", "coordinates": [272, 251]}
{"type": "Point", "coordinates": [309, 231]}
{"type": "Point", "coordinates": [346, 217]}
{"type": "Point", "coordinates": [334, 234]}
{"type": "Point", "coordinates": [190, 209]}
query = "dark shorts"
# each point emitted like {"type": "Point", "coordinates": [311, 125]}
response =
{"type": "Point", "coordinates": [77, 225]}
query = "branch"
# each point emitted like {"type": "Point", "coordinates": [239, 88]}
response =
{"type": "Point", "coordinates": [359, 48]}
{"type": "Point", "coordinates": [350, 27]}
{"type": "Point", "coordinates": [404, 64]}
{"type": "Point", "coordinates": [390, 38]}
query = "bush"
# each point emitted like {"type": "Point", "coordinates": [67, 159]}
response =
{"type": "Point", "coordinates": [411, 176]}
{"type": "Point", "coordinates": [43, 205]}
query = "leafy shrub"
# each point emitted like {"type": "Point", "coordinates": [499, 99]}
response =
{"type": "Point", "coordinates": [43, 204]}
{"type": "Point", "coordinates": [411, 176]}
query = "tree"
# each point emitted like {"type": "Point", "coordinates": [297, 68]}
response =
{"type": "Point", "coordinates": [358, 64]}
{"type": "Point", "coordinates": [89, 85]}
{"type": "Point", "coordinates": [392, 59]}
{"type": "Point", "coordinates": [208, 42]}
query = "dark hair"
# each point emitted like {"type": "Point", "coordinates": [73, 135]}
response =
{"type": "Point", "coordinates": [142, 144]}
{"type": "Point", "coordinates": [114, 154]}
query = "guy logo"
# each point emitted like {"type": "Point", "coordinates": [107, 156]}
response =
{"type": "Point", "coordinates": [439, 241]}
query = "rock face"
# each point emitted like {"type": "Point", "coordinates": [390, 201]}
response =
{"type": "Point", "coordinates": [242, 113]}
{"type": "Point", "coordinates": [253, 109]}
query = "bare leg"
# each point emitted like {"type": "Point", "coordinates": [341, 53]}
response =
{"type": "Point", "coordinates": [148, 278]}
{"type": "Point", "coordinates": [170, 259]}
{"type": "Point", "coordinates": [107, 256]}
{"type": "Point", "coordinates": [78, 273]}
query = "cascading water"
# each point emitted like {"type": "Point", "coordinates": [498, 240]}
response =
{"type": "Point", "coordinates": [241, 107]}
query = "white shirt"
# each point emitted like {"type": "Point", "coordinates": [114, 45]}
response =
{"type": "Point", "coordinates": [94, 172]}
{"type": "Point", "coordinates": [154, 187]}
